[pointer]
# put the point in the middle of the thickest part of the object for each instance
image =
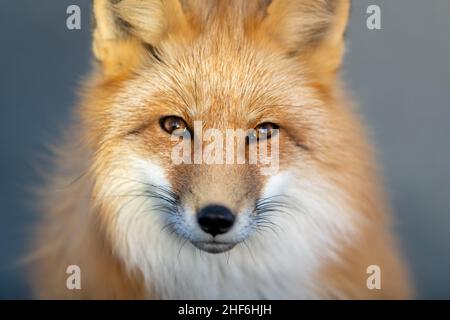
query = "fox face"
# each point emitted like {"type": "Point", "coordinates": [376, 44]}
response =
{"type": "Point", "coordinates": [212, 201]}
{"type": "Point", "coordinates": [219, 127]}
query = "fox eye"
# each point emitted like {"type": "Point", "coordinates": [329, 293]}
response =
{"type": "Point", "coordinates": [264, 131]}
{"type": "Point", "coordinates": [174, 125]}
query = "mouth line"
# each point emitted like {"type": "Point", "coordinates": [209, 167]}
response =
{"type": "Point", "coordinates": [214, 246]}
{"type": "Point", "coordinates": [213, 242]}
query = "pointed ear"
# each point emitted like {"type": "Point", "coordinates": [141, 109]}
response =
{"type": "Point", "coordinates": [124, 30]}
{"type": "Point", "coordinates": [313, 28]}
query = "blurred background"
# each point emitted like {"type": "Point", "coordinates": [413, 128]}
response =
{"type": "Point", "coordinates": [399, 75]}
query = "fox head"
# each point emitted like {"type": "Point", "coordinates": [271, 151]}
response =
{"type": "Point", "coordinates": [170, 69]}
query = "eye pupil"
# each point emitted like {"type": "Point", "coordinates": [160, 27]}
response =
{"type": "Point", "coordinates": [174, 125]}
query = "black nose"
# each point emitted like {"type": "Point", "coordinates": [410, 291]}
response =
{"type": "Point", "coordinates": [215, 219]}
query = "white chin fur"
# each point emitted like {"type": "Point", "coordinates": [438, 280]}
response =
{"type": "Point", "coordinates": [272, 264]}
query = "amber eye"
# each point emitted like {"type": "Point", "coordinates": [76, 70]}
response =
{"type": "Point", "coordinates": [174, 125]}
{"type": "Point", "coordinates": [264, 131]}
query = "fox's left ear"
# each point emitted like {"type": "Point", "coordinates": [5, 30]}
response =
{"type": "Point", "coordinates": [312, 28]}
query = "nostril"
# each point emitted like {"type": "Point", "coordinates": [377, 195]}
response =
{"type": "Point", "coordinates": [215, 219]}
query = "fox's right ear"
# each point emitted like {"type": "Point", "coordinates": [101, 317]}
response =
{"type": "Point", "coordinates": [125, 30]}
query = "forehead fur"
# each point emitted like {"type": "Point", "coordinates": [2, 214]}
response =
{"type": "Point", "coordinates": [215, 72]}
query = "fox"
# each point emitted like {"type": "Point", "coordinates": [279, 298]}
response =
{"type": "Point", "coordinates": [140, 226]}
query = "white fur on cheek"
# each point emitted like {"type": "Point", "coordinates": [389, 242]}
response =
{"type": "Point", "coordinates": [307, 233]}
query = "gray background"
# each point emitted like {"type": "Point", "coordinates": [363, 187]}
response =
{"type": "Point", "coordinates": [400, 76]}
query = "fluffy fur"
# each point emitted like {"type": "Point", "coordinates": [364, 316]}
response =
{"type": "Point", "coordinates": [120, 209]}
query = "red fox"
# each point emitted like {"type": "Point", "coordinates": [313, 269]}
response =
{"type": "Point", "coordinates": [142, 226]}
